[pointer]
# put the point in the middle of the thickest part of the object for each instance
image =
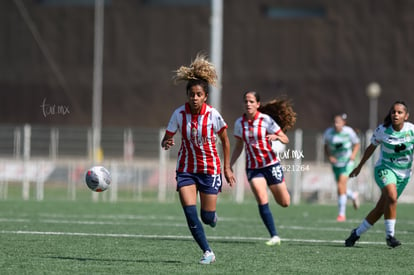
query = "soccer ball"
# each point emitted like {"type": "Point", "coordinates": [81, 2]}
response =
{"type": "Point", "coordinates": [98, 178]}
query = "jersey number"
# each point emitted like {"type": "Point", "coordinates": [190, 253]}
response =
{"type": "Point", "coordinates": [216, 182]}
{"type": "Point", "coordinates": [277, 172]}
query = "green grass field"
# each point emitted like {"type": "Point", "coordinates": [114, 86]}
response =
{"type": "Point", "coordinates": [85, 237]}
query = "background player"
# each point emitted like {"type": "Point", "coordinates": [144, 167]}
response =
{"type": "Point", "coordinates": [256, 130]}
{"type": "Point", "coordinates": [341, 147]}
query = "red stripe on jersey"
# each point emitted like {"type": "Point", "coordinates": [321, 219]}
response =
{"type": "Point", "coordinates": [206, 147]}
{"type": "Point", "coordinates": [259, 151]}
{"type": "Point", "coordinates": [265, 145]}
{"type": "Point", "coordinates": [212, 160]}
{"type": "Point", "coordinates": [199, 164]}
{"type": "Point", "coordinates": [248, 137]}
{"type": "Point", "coordinates": [198, 153]}
{"type": "Point", "coordinates": [182, 154]}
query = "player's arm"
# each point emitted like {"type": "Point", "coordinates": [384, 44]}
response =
{"type": "Point", "coordinates": [328, 154]}
{"type": "Point", "coordinates": [228, 174]}
{"type": "Point", "coordinates": [238, 148]}
{"type": "Point", "coordinates": [367, 154]}
{"type": "Point", "coordinates": [167, 141]}
{"type": "Point", "coordinates": [355, 150]}
{"type": "Point", "coordinates": [280, 135]}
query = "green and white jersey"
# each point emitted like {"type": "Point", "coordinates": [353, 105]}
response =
{"type": "Point", "coordinates": [340, 144]}
{"type": "Point", "coordinates": [396, 148]}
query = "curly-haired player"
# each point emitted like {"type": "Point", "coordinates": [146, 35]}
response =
{"type": "Point", "coordinates": [198, 165]}
{"type": "Point", "coordinates": [255, 130]}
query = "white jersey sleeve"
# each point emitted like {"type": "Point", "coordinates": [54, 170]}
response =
{"type": "Point", "coordinates": [175, 120]}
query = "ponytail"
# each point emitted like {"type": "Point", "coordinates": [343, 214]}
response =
{"type": "Point", "coordinates": [281, 110]}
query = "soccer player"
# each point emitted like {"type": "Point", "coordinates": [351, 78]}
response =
{"type": "Point", "coordinates": [255, 130]}
{"type": "Point", "coordinates": [341, 147]}
{"type": "Point", "coordinates": [198, 164]}
{"type": "Point", "coordinates": [392, 170]}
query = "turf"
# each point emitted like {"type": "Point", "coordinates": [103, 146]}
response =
{"type": "Point", "coordinates": [85, 237]}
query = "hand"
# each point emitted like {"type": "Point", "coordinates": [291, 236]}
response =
{"type": "Point", "coordinates": [355, 172]}
{"type": "Point", "coordinates": [230, 178]}
{"type": "Point", "coordinates": [168, 143]}
{"type": "Point", "coordinates": [272, 137]}
{"type": "Point", "coordinates": [332, 159]}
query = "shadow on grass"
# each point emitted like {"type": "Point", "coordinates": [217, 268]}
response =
{"type": "Point", "coordinates": [82, 259]}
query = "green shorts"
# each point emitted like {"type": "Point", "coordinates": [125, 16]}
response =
{"type": "Point", "coordinates": [345, 170]}
{"type": "Point", "coordinates": [385, 176]}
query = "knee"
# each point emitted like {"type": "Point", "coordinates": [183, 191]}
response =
{"type": "Point", "coordinates": [285, 203]}
{"type": "Point", "coordinates": [207, 216]}
{"type": "Point", "coordinates": [191, 214]}
{"type": "Point", "coordinates": [391, 199]}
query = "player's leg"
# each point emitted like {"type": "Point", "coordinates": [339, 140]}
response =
{"type": "Point", "coordinates": [390, 195]}
{"type": "Point", "coordinates": [208, 208]}
{"type": "Point", "coordinates": [188, 198]}
{"type": "Point", "coordinates": [208, 216]}
{"type": "Point", "coordinates": [342, 197]}
{"type": "Point", "coordinates": [387, 203]}
{"type": "Point", "coordinates": [259, 189]}
{"type": "Point", "coordinates": [280, 194]}
{"type": "Point", "coordinates": [373, 216]}
{"type": "Point", "coordinates": [352, 195]}
{"type": "Point", "coordinates": [390, 214]}
{"type": "Point", "coordinates": [209, 186]}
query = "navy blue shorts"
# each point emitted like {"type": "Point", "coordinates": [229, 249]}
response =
{"type": "Point", "coordinates": [272, 173]}
{"type": "Point", "coordinates": [208, 184]}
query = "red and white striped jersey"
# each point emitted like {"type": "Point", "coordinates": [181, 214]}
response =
{"type": "Point", "coordinates": [258, 149]}
{"type": "Point", "coordinates": [198, 153]}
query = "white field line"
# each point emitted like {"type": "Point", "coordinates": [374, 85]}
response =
{"type": "Point", "coordinates": [183, 224]}
{"type": "Point", "coordinates": [122, 218]}
{"type": "Point", "coordinates": [152, 220]}
{"type": "Point", "coordinates": [174, 237]}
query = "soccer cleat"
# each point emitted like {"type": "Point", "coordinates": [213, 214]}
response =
{"type": "Point", "coordinates": [355, 201]}
{"type": "Point", "coordinates": [208, 258]}
{"type": "Point", "coordinates": [352, 238]}
{"type": "Point", "coordinates": [275, 240]}
{"type": "Point", "coordinates": [393, 242]}
{"type": "Point", "coordinates": [340, 218]}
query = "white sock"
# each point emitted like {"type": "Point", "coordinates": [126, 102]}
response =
{"type": "Point", "coordinates": [342, 205]}
{"type": "Point", "coordinates": [349, 194]}
{"type": "Point", "coordinates": [389, 227]}
{"type": "Point", "coordinates": [363, 227]}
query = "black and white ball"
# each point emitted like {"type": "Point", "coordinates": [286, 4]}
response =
{"type": "Point", "coordinates": [98, 178]}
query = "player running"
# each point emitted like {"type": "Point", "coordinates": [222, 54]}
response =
{"type": "Point", "coordinates": [198, 164]}
{"type": "Point", "coordinates": [392, 170]}
{"type": "Point", "coordinates": [256, 129]}
{"type": "Point", "coordinates": [341, 147]}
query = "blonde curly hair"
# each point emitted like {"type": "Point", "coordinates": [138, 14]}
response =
{"type": "Point", "coordinates": [199, 69]}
